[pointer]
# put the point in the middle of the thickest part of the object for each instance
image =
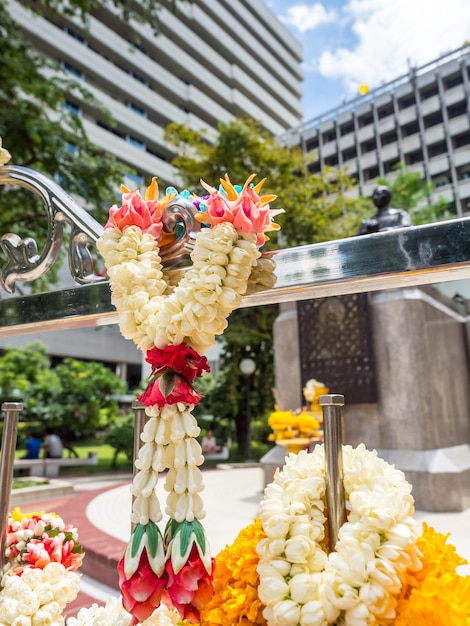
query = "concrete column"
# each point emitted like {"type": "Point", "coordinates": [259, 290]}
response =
{"type": "Point", "coordinates": [287, 357]}
{"type": "Point", "coordinates": [424, 398]}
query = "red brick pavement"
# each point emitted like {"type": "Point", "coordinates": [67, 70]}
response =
{"type": "Point", "coordinates": [102, 552]}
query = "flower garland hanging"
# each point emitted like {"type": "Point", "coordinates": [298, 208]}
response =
{"type": "Point", "coordinates": [175, 326]}
{"type": "Point", "coordinates": [357, 583]}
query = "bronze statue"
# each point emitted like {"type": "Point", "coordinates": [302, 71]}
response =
{"type": "Point", "coordinates": [386, 218]}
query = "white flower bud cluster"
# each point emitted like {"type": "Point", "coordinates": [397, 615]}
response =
{"type": "Point", "coordinates": [196, 309]}
{"type": "Point", "coordinates": [38, 596]}
{"type": "Point", "coordinates": [134, 268]}
{"type": "Point", "coordinates": [358, 583]}
{"type": "Point", "coordinates": [210, 290]}
{"type": "Point", "coordinates": [113, 614]}
{"type": "Point", "coordinates": [169, 442]}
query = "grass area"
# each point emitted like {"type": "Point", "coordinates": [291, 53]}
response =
{"type": "Point", "coordinates": [106, 454]}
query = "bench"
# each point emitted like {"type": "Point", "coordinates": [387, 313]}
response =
{"type": "Point", "coordinates": [218, 456]}
{"type": "Point", "coordinates": [50, 467]}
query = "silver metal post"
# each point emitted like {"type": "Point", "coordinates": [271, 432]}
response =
{"type": "Point", "coordinates": [10, 430]}
{"type": "Point", "coordinates": [140, 419]}
{"type": "Point", "coordinates": [333, 433]}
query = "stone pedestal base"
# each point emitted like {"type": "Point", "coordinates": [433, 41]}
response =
{"type": "Point", "coordinates": [440, 478]}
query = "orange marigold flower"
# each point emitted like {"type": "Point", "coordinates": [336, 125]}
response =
{"type": "Point", "coordinates": [435, 595]}
{"type": "Point", "coordinates": [236, 581]}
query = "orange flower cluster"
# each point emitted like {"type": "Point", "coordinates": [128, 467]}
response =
{"type": "Point", "coordinates": [236, 580]}
{"type": "Point", "coordinates": [436, 595]}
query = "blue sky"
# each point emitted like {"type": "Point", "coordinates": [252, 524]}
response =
{"type": "Point", "coordinates": [348, 43]}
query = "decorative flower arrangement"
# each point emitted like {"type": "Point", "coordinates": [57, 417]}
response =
{"type": "Point", "coordinates": [289, 425]}
{"type": "Point", "coordinates": [39, 579]}
{"type": "Point", "coordinates": [175, 325]}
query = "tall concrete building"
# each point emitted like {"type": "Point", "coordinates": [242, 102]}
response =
{"type": "Point", "coordinates": [213, 60]}
{"type": "Point", "coordinates": [421, 119]}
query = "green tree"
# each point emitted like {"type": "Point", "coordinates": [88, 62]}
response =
{"type": "Point", "coordinates": [412, 193]}
{"type": "Point", "coordinates": [40, 131]}
{"type": "Point", "coordinates": [317, 207]}
{"type": "Point", "coordinates": [75, 398]}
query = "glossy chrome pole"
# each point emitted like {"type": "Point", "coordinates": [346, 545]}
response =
{"type": "Point", "coordinates": [332, 405]}
{"type": "Point", "coordinates": [10, 430]}
{"type": "Point", "coordinates": [140, 419]}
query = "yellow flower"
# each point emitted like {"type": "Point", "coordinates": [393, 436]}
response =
{"type": "Point", "coordinates": [435, 595]}
{"type": "Point", "coordinates": [236, 581]}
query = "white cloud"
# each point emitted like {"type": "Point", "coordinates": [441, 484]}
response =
{"type": "Point", "coordinates": [306, 17]}
{"type": "Point", "coordinates": [391, 34]}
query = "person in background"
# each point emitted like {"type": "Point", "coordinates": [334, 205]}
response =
{"type": "Point", "coordinates": [209, 444]}
{"type": "Point", "coordinates": [33, 446]}
{"type": "Point", "coordinates": [52, 445]}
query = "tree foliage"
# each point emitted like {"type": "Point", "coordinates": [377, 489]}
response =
{"type": "Point", "coordinates": [75, 398]}
{"type": "Point", "coordinates": [412, 193]}
{"type": "Point", "coordinates": [42, 133]}
{"type": "Point", "coordinates": [317, 206]}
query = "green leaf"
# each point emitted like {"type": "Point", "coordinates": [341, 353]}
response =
{"type": "Point", "coordinates": [186, 530]}
{"type": "Point", "coordinates": [153, 536]}
{"type": "Point", "coordinates": [199, 534]}
{"type": "Point", "coordinates": [167, 383]}
{"type": "Point", "coordinates": [137, 536]}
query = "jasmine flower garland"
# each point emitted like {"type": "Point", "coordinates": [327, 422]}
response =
{"type": "Point", "coordinates": [175, 325]}
{"type": "Point", "coordinates": [359, 582]}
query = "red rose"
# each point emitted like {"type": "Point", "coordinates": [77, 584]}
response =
{"type": "Point", "coordinates": [169, 388]}
{"type": "Point", "coordinates": [182, 359]}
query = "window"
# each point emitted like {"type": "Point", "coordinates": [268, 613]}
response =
{"type": "Point", "coordinates": [429, 92]}
{"type": "Point", "coordinates": [414, 157]}
{"type": "Point", "coordinates": [71, 69]}
{"type": "Point", "coordinates": [371, 173]}
{"type": "Point", "coordinates": [461, 140]}
{"type": "Point", "coordinates": [437, 148]}
{"type": "Point", "coordinates": [110, 129]}
{"type": "Point", "coordinates": [433, 119]}
{"type": "Point", "coordinates": [349, 154]}
{"type": "Point", "coordinates": [139, 78]}
{"type": "Point", "coordinates": [312, 144]}
{"type": "Point", "coordinates": [71, 147]}
{"type": "Point", "coordinates": [453, 81]}
{"type": "Point", "coordinates": [332, 161]}
{"type": "Point", "coordinates": [314, 168]}
{"type": "Point", "coordinates": [347, 128]}
{"type": "Point", "coordinates": [136, 109]}
{"type": "Point", "coordinates": [457, 109]}
{"type": "Point", "coordinates": [330, 135]}
{"type": "Point", "coordinates": [406, 102]}
{"type": "Point", "coordinates": [76, 35]}
{"type": "Point", "coordinates": [390, 137]}
{"type": "Point", "coordinates": [441, 179]}
{"type": "Point", "coordinates": [463, 173]}
{"type": "Point", "coordinates": [365, 120]}
{"type": "Point", "coordinates": [71, 107]}
{"type": "Point", "coordinates": [368, 146]}
{"type": "Point", "coordinates": [410, 129]}
{"type": "Point", "coordinates": [385, 111]}
{"type": "Point", "coordinates": [135, 180]}
{"type": "Point", "coordinates": [136, 142]}
{"type": "Point", "coordinates": [389, 166]}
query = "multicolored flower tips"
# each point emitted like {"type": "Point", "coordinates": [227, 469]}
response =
{"type": "Point", "coordinates": [140, 572]}
{"type": "Point", "coordinates": [188, 569]}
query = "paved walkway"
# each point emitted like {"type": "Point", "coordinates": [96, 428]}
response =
{"type": "Point", "coordinates": [101, 505]}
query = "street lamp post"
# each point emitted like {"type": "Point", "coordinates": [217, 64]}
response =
{"type": "Point", "coordinates": [248, 368]}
